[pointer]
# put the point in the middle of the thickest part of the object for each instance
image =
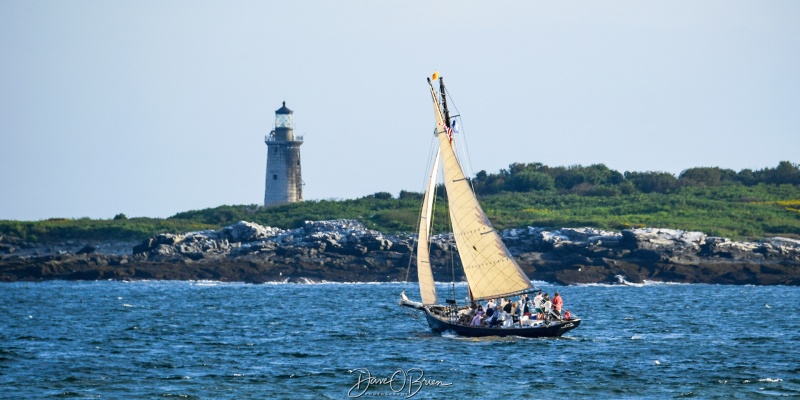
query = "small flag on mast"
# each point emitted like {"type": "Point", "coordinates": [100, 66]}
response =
{"type": "Point", "coordinates": [452, 131]}
{"type": "Point", "coordinates": [435, 75]}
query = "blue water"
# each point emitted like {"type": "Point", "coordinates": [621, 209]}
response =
{"type": "Point", "coordinates": [221, 340]}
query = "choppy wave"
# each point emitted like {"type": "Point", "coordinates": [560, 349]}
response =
{"type": "Point", "coordinates": [311, 281]}
{"type": "Point", "coordinates": [643, 284]}
{"type": "Point", "coordinates": [220, 339]}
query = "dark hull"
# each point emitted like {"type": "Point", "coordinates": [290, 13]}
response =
{"type": "Point", "coordinates": [554, 329]}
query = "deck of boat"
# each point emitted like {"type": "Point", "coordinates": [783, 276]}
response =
{"type": "Point", "coordinates": [552, 329]}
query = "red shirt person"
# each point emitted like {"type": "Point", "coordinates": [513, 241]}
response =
{"type": "Point", "coordinates": [558, 303]}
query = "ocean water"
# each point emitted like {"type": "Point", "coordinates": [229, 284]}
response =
{"type": "Point", "coordinates": [157, 339]}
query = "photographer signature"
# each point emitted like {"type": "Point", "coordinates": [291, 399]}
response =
{"type": "Point", "coordinates": [401, 382]}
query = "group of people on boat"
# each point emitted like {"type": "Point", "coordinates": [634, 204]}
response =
{"type": "Point", "coordinates": [505, 313]}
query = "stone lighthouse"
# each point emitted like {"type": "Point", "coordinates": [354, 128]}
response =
{"type": "Point", "coordinates": [284, 180]}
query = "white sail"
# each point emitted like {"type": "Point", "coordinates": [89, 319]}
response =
{"type": "Point", "coordinates": [427, 287]}
{"type": "Point", "coordinates": [490, 269]}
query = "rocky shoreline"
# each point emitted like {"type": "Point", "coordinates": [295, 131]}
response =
{"type": "Point", "coordinates": [346, 251]}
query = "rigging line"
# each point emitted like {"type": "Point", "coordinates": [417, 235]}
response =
{"type": "Point", "coordinates": [434, 149]}
{"type": "Point", "coordinates": [470, 171]}
{"type": "Point", "coordinates": [432, 211]}
{"type": "Point", "coordinates": [433, 215]}
{"type": "Point", "coordinates": [450, 253]}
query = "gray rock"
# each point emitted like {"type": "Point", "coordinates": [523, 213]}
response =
{"type": "Point", "coordinates": [345, 250]}
{"type": "Point", "coordinates": [243, 231]}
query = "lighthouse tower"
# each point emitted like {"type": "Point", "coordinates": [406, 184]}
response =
{"type": "Point", "coordinates": [284, 182]}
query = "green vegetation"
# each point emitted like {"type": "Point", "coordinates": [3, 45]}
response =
{"type": "Point", "coordinates": [741, 205]}
{"type": "Point", "coordinates": [733, 210]}
{"type": "Point", "coordinates": [60, 229]}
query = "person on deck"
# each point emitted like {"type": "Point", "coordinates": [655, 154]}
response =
{"type": "Point", "coordinates": [494, 320]}
{"type": "Point", "coordinates": [526, 305]}
{"type": "Point", "coordinates": [505, 319]}
{"type": "Point", "coordinates": [465, 316]}
{"type": "Point", "coordinates": [489, 310]}
{"type": "Point", "coordinates": [558, 302]}
{"type": "Point", "coordinates": [476, 321]}
{"type": "Point", "coordinates": [531, 306]}
{"type": "Point", "coordinates": [537, 302]}
{"type": "Point", "coordinates": [515, 312]}
{"type": "Point", "coordinates": [547, 308]}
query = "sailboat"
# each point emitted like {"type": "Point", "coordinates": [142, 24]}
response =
{"type": "Point", "coordinates": [490, 269]}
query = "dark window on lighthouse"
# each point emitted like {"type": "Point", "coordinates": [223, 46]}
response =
{"type": "Point", "coordinates": [275, 177]}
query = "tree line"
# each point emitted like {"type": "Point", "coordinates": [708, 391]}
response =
{"type": "Point", "coordinates": [599, 180]}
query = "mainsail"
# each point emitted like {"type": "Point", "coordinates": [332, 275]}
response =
{"type": "Point", "coordinates": [427, 287]}
{"type": "Point", "coordinates": [490, 269]}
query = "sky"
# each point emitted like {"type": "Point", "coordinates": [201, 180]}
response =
{"type": "Point", "coordinates": [150, 108]}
